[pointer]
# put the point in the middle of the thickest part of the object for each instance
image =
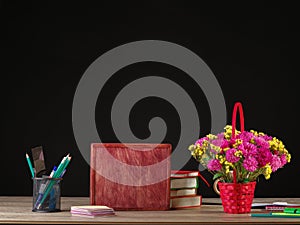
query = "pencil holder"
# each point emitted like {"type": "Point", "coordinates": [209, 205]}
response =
{"type": "Point", "coordinates": [46, 194]}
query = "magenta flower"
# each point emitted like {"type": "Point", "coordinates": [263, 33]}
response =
{"type": "Point", "coordinates": [283, 160]}
{"type": "Point", "coordinates": [250, 164]}
{"type": "Point", "coordinates": [245, 136]}
{"type": "Point", "coordinates": [200, 141]}
{"type": "Point", "coordinates": [225, 144]}
{"type": "Point", "coordinates": [248, 149]}
{"type": "Point", "coordinates": [264, 156]}
{"type": "Point", "coordinates": [230, 156]}
{"type": "Point", "coordinates": [267, 137]}
{"type": "Point", "coordinates": [261, 142]}
{"type": "Point", "coordinates": [275, 163]}
{"type": "Point", "coordinates": [214, 165]}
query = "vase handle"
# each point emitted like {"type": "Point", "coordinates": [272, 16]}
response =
{"type": "Point", "coordinates": [237, 106]}
{"type": "Point", "coordinates": [215, 186]}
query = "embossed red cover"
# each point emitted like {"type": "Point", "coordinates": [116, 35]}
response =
{"type": "Point", "coordinates": [130, 176]}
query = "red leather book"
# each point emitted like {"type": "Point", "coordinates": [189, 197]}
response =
{"type": "Point", "coordinates": [188, 173]}
{"type": "Point", "coordinates": [127, 176]}
{"type": "Point", "coordinates": [186, 202]}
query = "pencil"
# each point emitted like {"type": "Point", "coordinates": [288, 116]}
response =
{"type": "Point", "coordinates": [30, 165]}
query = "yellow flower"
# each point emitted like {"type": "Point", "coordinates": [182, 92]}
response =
{"type": "Point", "coordinates": [288, 157]}
{"type": "Point", "coordinates": [238, 153]}
{"type": "Point", "coordinates": [237, 143]}
{"type": "Point", "coordinates": [267, 171]}
{"type": "Point", "coordinates": [276, 144]}
{"type": "Point", "coordinates": [216, 148]}
{"type": "Point", "coordinates": [221, 158]}
{"type": "Point", "coordinates": [211, 136]}
{"type": "Point", "coordinates": [228, 166]}
{"type": "Point", "coordinates": [254, 132]}
{"type": "Point", "coordinates": [191, 147]}
{"type": "Point", "coordinates": [228, 131]}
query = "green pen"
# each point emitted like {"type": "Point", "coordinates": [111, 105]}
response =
{"type": "Point", "coordinates": [284, 214]}
{"type": "Point", "coordinates": [292, 210]}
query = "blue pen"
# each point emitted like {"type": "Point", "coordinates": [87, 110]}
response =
{"type": "Point", "coordinates": [53, 171]}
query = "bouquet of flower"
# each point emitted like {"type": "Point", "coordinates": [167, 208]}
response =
{"type": "Point", "coordinates": [248, 153]}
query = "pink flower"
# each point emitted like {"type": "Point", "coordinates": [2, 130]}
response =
{"type": "Point", "coordinates": [261, 142]}
{"type": "Point", "coordinates": [283, 160]}
{"type": "Point", "coordinates": [264, 156]}
{"type": "Point", "coordinates": [225, 144]}
{"type": "Point", "coordinates": [217, 142]}
{"type": "Point", "coordinates": [275, 163]}
{"type": "Point", "coordinates": [214, 165]}
{"type": "Point", "coordinates": [245, 136]}
{"type": "Point", "coordinates": [200, 141]}
{"type": "Point", "coordinates": [267, 138]}
{"type": "Point", "coordinates": [250, 164]}
{"type": "Point", "coordinates": [248, 149]}
{"type": "Point", "coordinates": [230, 156]}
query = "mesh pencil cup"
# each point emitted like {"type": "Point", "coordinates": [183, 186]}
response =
{"type": "Point", "coordinates": [46, 194]}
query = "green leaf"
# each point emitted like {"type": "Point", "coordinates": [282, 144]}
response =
{"type": "Point", "coordinates": [217, 175]}
{"type": "Point", "coordinates": [246, 180]}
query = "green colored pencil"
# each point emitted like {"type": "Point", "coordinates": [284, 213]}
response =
{"type": "Point", "coordinates": [30, 165]}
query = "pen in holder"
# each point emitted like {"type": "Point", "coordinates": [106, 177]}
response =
{"type": "Point", "coordinates": [46, 194]}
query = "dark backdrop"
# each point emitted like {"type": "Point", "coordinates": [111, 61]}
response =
{"type": "Point", "coordinates": [46, 47]}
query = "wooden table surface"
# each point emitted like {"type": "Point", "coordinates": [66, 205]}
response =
{"type": "Point", "coordinates": [17, 210]}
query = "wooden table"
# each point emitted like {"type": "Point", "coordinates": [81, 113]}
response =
{"type": "Point", "coordinates": [17, 210]}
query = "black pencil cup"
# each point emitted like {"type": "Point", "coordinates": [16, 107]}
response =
{"type": "Point", "coordinates": [46, 194]}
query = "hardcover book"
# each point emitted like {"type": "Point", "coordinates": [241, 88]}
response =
{"type": "Point", "coordinates": [130, 176]}
{"type": "Point", "coordinates": [185, 202]}
{"type": "Point", "coordinates": [184, 173]}
{"type": "Point", "coordinates": [186, 182]}
{"type": "Point", "coordinates": [183, 192]}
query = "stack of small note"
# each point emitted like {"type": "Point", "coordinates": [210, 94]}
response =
{"type": "Point", "coordinates": [91, 210]}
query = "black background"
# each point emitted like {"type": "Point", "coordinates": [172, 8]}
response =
{"type": "Point", "coordinates": [46, 48]}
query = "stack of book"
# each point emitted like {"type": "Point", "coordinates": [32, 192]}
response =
{"type": "Point", "coordinates": [183, 189]}
{"type": "Point", "coordinates": [91, 210]}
